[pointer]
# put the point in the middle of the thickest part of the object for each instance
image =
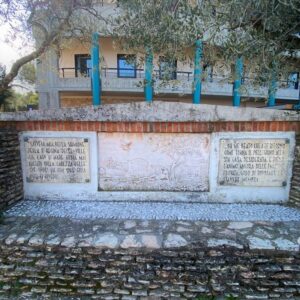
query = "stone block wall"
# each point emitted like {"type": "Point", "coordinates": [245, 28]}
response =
{"type": "Point", "coordinates": [44, 272]}
{"type": "Point", "coordinates": [11, 183]}
{"type": "Point", "coordinates": [295, 184]}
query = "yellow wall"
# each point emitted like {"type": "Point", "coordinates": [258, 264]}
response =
{"type": "Point", "coordinates": [109, 53]}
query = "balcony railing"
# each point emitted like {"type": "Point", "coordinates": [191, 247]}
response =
{"type": "Point", "coordinates": [126, 79]}
{"type": "Point", "coordinates": [114, 73]}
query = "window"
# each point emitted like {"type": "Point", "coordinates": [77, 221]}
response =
{"type": "Point", "coordinates": [126, 66]}
{"type": "Point", "coordinates": [208, 72]}
{"type": "Point", "coordinates": [167, 69]}
{"type": "Point", "coordinates": [83, 65]}
{"type": "Point", "coordinates": [293, 80]}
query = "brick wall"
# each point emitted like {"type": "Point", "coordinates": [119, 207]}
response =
{"type": "Point", "coordinates": [295, 189]}
{"type": "Point", "coordinates": [182, 273]}
{"type": "Point", "coordinates": [11, 183]}
{"type": "Point", "coordinates": [164, 127]}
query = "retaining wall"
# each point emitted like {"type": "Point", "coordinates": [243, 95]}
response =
{"type": "Point", "coordinates": [11, 183]}
{"type": "Point", "coordinates": [183, 273]}
{"type": "Point", "coordinates": [295, 189]}
{"type": "Point", "coordinates": [111, 130]}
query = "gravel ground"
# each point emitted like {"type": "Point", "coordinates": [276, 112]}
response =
{"type": "Point", "coordinates": [154, 211]}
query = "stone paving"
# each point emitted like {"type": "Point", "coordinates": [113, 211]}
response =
{"type": "Point", "coordinates": [93, 210]}
{"type": "Point", "coordinates": [152, 234]}
{"type": "Point", "coordinates": [51, 257]}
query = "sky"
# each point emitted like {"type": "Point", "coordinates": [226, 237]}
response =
{"type": "Point", "coordinates": [10, 53]}
{"type": "Point", "coordinates": [7, 54]}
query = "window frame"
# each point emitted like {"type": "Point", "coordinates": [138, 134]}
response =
{"type": "Point", "coordinates": [295, 84]}
{"type": "Point", "coordinates": [173, 74]}
{"type": "Point", "coordinates": [77, 58]}
{"type": "Point", "coordinates": [124, 57]}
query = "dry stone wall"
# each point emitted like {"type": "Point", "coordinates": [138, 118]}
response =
{"type": "Point", "coordinates": [11, 183]}
{"type": "Point", "coordinates": [295, 187]}
{"type": "Point", "coordinates": [39, 272]}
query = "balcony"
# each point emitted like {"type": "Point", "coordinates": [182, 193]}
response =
{"type": "Point", "coordinates": [72, 79]}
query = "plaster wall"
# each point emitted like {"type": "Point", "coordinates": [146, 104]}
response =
{"type": "Point", "coordinates": [108, 52]}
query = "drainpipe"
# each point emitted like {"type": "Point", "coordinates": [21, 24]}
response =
{"type": "Point", "coordinates": [237, 82]}
{"type": "Point", "coordinates": [148, 76]}
{"type": "Point", "coordinates": [272, 90]}
{"type": "Point", "coordinates": [197, 72]}
{"type": "Point", "coordinates": [96, 83]}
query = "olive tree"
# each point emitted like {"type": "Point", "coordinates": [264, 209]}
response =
{"type": "Point", "coordinates": [266, 33]}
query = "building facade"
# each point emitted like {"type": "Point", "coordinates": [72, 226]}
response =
{"type": "Point", "coordinates": [64, 78]}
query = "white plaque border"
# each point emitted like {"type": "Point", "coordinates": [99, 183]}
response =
{"type": "Point", "coordinates": [62, 191]}
{"type": "Point", "coordinates": [257, 194]}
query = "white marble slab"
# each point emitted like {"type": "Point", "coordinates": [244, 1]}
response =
{"type": "Point", "coordinates": [63, 164]}
{"type": "Point", "coordinates": [57, 159]}
{"type": "Point", "coordinates": [259, 169]}
{"type": "Point", "coordinates": [253, 162]}
{"type": "Point", "coordinates": [153, 161]}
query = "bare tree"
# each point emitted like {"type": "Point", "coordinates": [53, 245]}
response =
{"type": "Point", "coordinates": [50, 21]}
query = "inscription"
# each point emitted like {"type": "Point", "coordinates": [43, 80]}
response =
{"type": "Point", "coordinates": [253, 162]}
{"type": "Point", "coordinates": [153, 161]}
{"type": "Point", "coordinates": [57, 160]}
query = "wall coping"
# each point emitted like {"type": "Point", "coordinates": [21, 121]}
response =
{"type": "Point", "coordinates": [158, 111]}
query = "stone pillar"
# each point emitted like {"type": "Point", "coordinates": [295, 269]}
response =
{"type": "Point", "coordinates": [47, 80]}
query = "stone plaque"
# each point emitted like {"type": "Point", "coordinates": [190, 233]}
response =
{"type": "Point", "coordinates": [153, 161]}
{"type": "Point", "coordinates": [57, 160]}
{"type": "Point", "coordinates": [253, 162]}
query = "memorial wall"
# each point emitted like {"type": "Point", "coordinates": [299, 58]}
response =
{"type": "Point", "coordinates": [160, 151]}
{"type": "Point", "coordinates": [216, 167]}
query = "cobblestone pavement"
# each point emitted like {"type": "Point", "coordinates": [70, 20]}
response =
{"type": "Point", "coordinates": [155, 234]}
{"type": "Point", "coordinates": [93, 210]}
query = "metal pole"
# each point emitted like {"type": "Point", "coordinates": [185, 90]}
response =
{"type": "Point", "coordinates": [237, 82]}
{"type": "Point", "coordinates": [148, 76]}
{"type": "Point", "coordinates": [96, 83]}
{"type": "Point", "coordinates": [197, 73]}
{"type": "Point", "coordinates": [272, 90]}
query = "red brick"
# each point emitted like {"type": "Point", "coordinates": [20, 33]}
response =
{"type": "Point", "coordinates": [145, 127]}
{"type": "Point", "coordinates": [156, 127]}
{"type": "Point", "coordinates": [273, 126]}
{"type": "Point", "coordinates": [164, 127]}
{"type": "Point", "coordinates": [139, 127]}
{"type": "Point", "coordinates": [90, 126]}
{"type": "Point", "coordinates": [293, 126]}
{"type": "Point", "coordinates": [261, 126]}
{"type": "Point", "coordinates": [204, 127]}
{"type": "Point", "coordinates": [97, 126]}
{"type": "Point", "coordinates": [229, 126]}
{"type": "Point", "coordinates": [188, 127]}
{"type": "Point", "coordinates": [255, 126]}
{"type": "Point", "coordinates": [236, 126]}
{"type": "Point", "coordinates": [195, 127]}
{"type": "Point", "coordinates": [267, 126]}
{"type": "Point", "coordinates": [176, 127]}
{"type": "Point", "coordinates": [223, 126]}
